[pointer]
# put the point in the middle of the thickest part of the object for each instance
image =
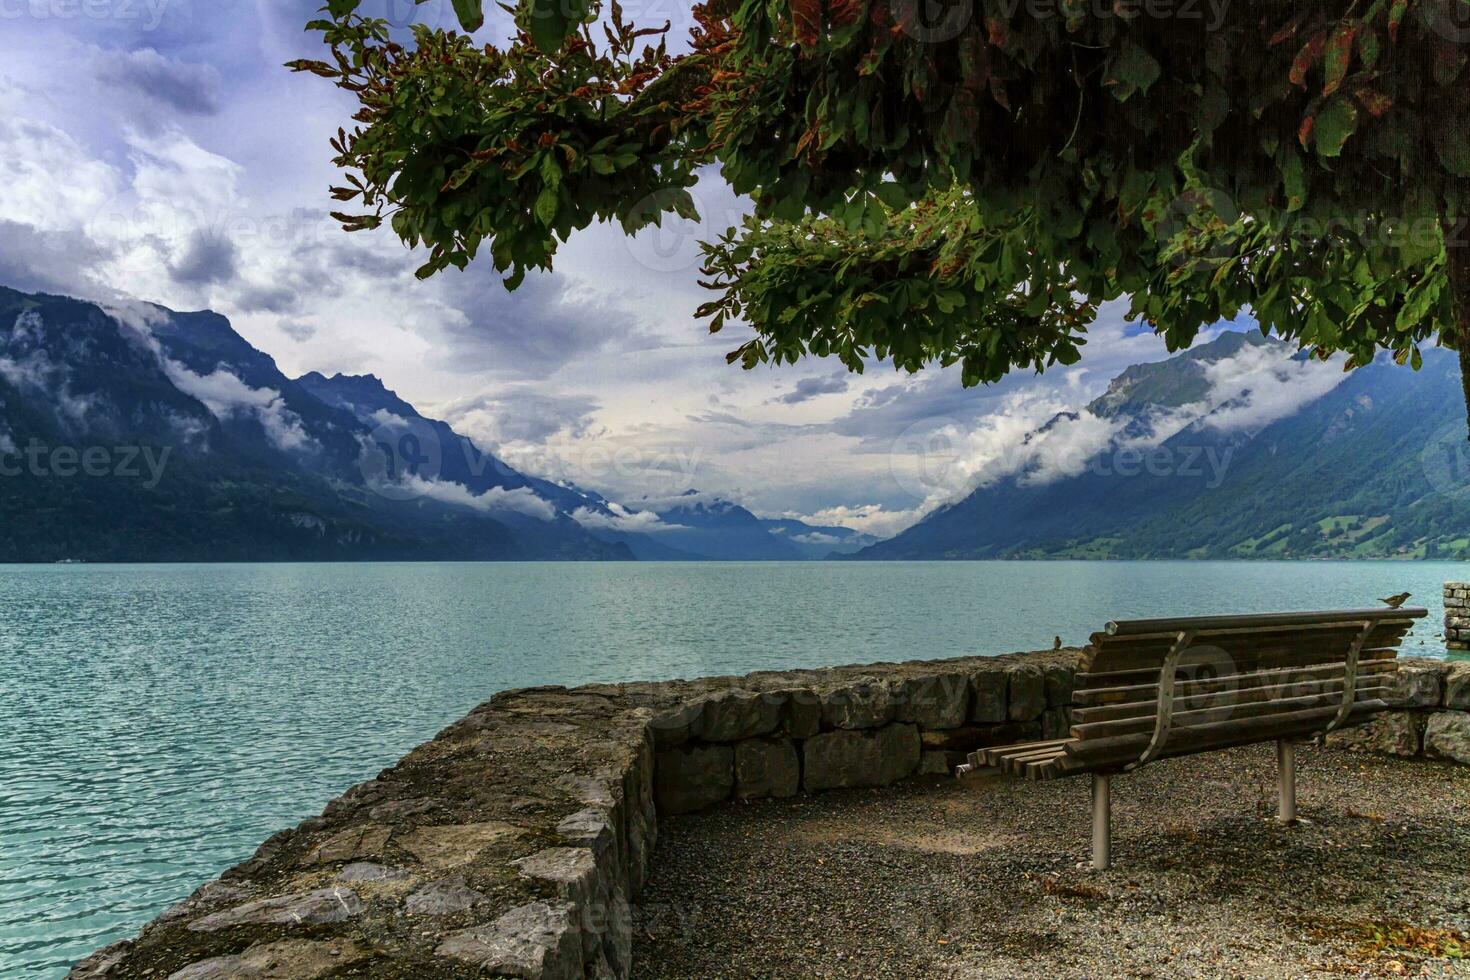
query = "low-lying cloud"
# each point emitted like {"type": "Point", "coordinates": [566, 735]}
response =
{"type": "Point", "coordinates": [521, 500]}
{"type": "Point", "coordinates": [622, 520]}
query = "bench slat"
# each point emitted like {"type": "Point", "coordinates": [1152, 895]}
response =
{"type": "Point", "coordinates": [1101, 753]}
{"type": "Point", "coordinates": [1143, 692]}
{"type": "Point", "coordinates": [991, 755]}
{"type": "Point", "coordinates": [1284, 649]}
{"type": "Point", "coordinates": [1124, 627]}
{"type": "Point", "coordinates": [1184, 720]}
{"type": "Point", "coordinates": [1227, 691]}
{"type": "Point", "coordinates": [1091, 681]}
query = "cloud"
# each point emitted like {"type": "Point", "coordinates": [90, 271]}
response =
{"type": "Point", "coordinates": [206, 258]}
{"type": "Point", "coordinates": [226, 396]}
{"type": "Point", "coordinates": [1038, 435]}
{"type": "Point", "coordinates": [1260, 386]}
{"type": "Point", "coordinates": [521, 500]}
{"type": "Point", "coordinates": [192, 89]}
{"type": "Point", "coordinates": [546, 323]}
{"type": "Point", "coordinates": [871, 519]}
{"type": "Point", "coordinates": [808, 388]}
{"type": "Point", "coordinates": [47, 179]}
{"type": "Point", "coordinates": [623, 520]}
{"type": "Point", "coordinates": [816, 537]}
{"type": "Point", "coordinates": [33, 367]}
{"type": "Point", "coordinates": [63, 261]}
{"type": "Point", "coordinates": [297, 330]}
{"type": "Point", "coordinates": [521, 414]}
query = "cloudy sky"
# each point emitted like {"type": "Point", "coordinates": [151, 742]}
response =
{"type": "Point", "coordinates": [156, 149]}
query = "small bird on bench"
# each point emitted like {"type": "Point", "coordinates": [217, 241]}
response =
{"type": "Point", "coordinates": [1395, 601]}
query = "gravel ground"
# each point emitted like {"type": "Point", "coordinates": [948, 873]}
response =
{"type": "Point", "coordinates": [984, 877]}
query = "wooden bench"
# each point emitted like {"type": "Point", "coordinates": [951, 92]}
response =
{"type": "Point", "coordinates": [1150, 689]}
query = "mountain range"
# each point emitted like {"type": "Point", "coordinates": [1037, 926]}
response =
{"type": "Point", "coordinates": [137, 433]}
{"type": "Point", "coordinates": [1239, 448]}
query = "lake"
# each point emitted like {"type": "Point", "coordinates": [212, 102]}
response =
{"type": "Point", "coordinates": [157, 722]}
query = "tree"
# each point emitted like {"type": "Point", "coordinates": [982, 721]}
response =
{"type": "Point", "coordinates": [954, 181]}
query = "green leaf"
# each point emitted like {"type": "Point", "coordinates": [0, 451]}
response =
{"type": "Point", "coordinates": [1334, 125]}
{"type": "Point", "coordinates": [1339, 55]}
{"type": "Point", "coordinates": [546, 205]}
{"type": "Point", "coordinates": [893, 195]}
{"type": "Point", "coordinates": [1132, 70]}
{"type": "Point", "coordinates": [550, 21]}
{"type": "Point", "coordinates": [1293, 180]}
{"type": "Point", "coordinates": [1452, 146]}
{"type": "Point", "coordinates": [550, 171]}
{"type": "Point", "coordinates": [470, 13]}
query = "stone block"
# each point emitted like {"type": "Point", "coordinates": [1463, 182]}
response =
{"type": "Point", "coordinates": [766, 767]}
{"type": "Point", "coordinates": [443, 897]}
{"type": "Point", "coordinates": [692, 777]}
{"type": "Point", "coordinates": [933, 701]}
{"type": "Point", "coordinates": [860, 758]}
{"type": "Point", "coordinates": [1457, 687]}
{"type": "Point", "coordinates": [1060, 680]}
{"type": "Point", "coordinates": [1055, 722]}
{"type": "Point", "coordinates": [1388, 733]}
{"type": "Point", "coordinates": [536, 940]}
{"type": "Point", "coordinates": [675, 726]}
{"type": "Point", "coordinates": [294, 958]}
{"type": "Point", "coordinates": [320, 907]}
{"type": "Point", "coordinates": [866, 703]}
{"type": "Point", "coordinates": [731, 716]}
{"type": "Point", "coordinates": [988, 695]}
{"type": "Point", "coordinates": [803, 714]}
{"type": "Point", "coordinates": [1447, 736]}
{"type": "Point", "coordinates": [934, 764]}
{"type": "Point", "coordinates": [1417, 684]}
{"type": "Point", "coordinates": [1025, 692]}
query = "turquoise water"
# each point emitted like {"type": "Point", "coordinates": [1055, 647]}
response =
{"type": "Point", "coordinates": [157, 722]}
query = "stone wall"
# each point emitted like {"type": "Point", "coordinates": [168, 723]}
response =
{"type": "Point", "coordinates": [778, 734]}
{"type": "Point", "coordinates": [1431, 715]}
{"type": "Point", "coordinates": [513, 842]}
{"type": "Point", "coordinates": [1457, 615]}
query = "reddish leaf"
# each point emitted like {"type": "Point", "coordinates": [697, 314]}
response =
{"type": "Point", "coordinates": [1305, 133]}
{"type": "Point", "coordinates": [806, 19]}
{"type": "Point", "coordinates": [1308, 56]}
{"type": "Point", "coordinates": [998, 93]}
{"type": "Point", "coordinates": [1339, 55]}
{"type": "Point", "coordinates": [846, 12]}
{"type": "Point", "coordinates": [997, 31]}
{"type": "Point", "coordinates": [1286, 33]}
{"type": "Point", "coordinates": [1396, 11]}
{"type": "Point", "coordinates": [1375, 102]}
{"type": "Point", "coordinates": [1446, 62]}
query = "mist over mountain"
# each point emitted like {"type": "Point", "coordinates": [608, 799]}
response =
{"type": "Point", "coordinates": [1239, 448]}
{"type": "Point", "coordinates": [137, 433]}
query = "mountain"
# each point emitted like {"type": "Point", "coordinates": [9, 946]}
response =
{"type": "Point", "coordinates": [138, 433]}
{"type": "Point", "coordinates": [141, 434]}
{"type": "Point", "coordinates": [698, 525]}
{"type": "Point", "coordinates": [1240, 448]}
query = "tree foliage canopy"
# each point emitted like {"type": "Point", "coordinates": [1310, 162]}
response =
{"type": "Point", "coordinates": [942, 181]}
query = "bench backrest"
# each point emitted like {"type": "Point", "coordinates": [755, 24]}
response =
{"type": "Point", "coordinates": [1153, 688]}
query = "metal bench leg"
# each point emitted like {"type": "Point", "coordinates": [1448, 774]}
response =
{"type": "Point", "coordinates": [1102, 828]}
{"type": "Point", "coordinates": [1286, 780]}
